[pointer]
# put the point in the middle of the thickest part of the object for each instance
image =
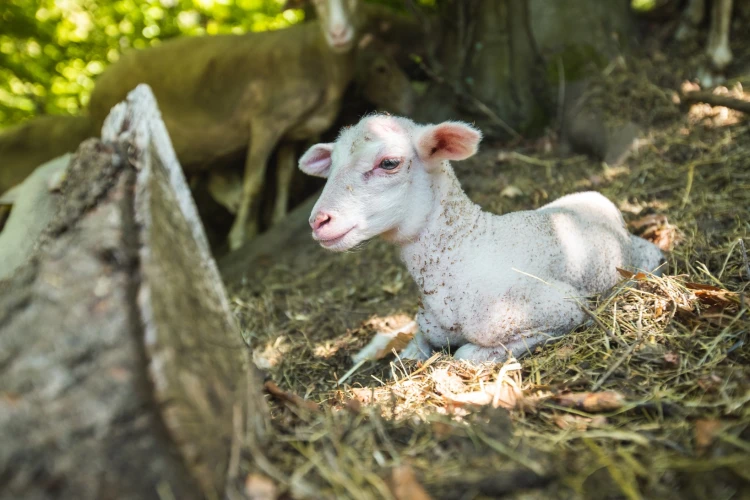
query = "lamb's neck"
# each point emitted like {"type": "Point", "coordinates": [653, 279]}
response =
{"type": "Point", "coordinates": [451, 224]}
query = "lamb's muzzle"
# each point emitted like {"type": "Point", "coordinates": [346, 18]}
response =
{"type": "Point", "coordinates": [491, 285]}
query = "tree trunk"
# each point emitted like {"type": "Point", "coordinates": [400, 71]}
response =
{"type": "Point", "coordinates": [121, 366]}
{"type": "Point", "coordinates": [502, 62]}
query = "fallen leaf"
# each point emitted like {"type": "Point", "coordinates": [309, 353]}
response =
{"type": "Point", "coordinates": [260, 487]}
{"type": "Point", "coordinates": [405, 486]}
{"type": "Point", "coordinates": [353, 406]}
{"type": "Point", "coordinates": [383, 343]}
{"type": "Point", "coordinates": [672, 359]}
{"type": "Point", "coordinates": [701, 286]}
{"type": "Point", "coordinates": [498, 395]}
{"type": "Point", "coordinates": [648, 220]}
{"type": "Point", "coordinates": [289, 397]}
{"type": "Point", "coordinates": [591, 402]}
{"type": "Point", "coordinates": [271, 355]}
{"type": "Point", "coordinates": [567, 421]}
{"type": "Point", "coordinates": [363, 395]}
{"type": "Point", "coordinates": [717, 299]}
{"type": "Point", "coordinates": [447, 382]}
{"type": "Point", "coordinates": [476, 398]}
{"type": "Point", "coordinates": [656, 229]}
{"type": "Point", "coordinates": [705, 432]}
{"type": "Point", "coordinates": [504, 395]}
{"type": "Point", "coordinates": [511, 192]}
{"type": "Point", "coordinates": [634, 276]}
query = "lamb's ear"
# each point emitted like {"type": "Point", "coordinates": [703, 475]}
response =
{"type": "Point", "coordinates": [317, 160]}
{"type": "Point", "coordinates": [448, 141]}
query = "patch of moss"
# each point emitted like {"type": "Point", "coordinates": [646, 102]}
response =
{"type": "Point", "coordinates": [578, 61]}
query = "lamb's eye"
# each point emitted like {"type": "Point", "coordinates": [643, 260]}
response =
{"type": "Point", "coordinates": [390, 163]}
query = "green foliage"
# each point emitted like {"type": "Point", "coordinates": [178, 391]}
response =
{"type": "Point", "coordinates": [52, 50]}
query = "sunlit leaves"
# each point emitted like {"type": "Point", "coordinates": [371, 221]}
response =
{"type": "Point", "coordinates": [52, 50]}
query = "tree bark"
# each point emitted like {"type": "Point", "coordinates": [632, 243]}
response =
{"type": "Point", "coordinates": [502, 63]}
{"type": "Point", "coordinates": [121, 367]}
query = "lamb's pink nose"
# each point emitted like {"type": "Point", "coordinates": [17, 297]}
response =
{"type": "Point", "coordinates": [320, 220]}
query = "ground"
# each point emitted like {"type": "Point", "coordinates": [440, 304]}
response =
{"type": "Point", "coordinates": [649, 399]}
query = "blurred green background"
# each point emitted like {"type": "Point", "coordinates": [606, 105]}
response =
{"type": "Point", "coordinates": [51, 51]}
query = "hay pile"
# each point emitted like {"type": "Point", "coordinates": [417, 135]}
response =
{"type": "Point", "coordinates": [649, 399]}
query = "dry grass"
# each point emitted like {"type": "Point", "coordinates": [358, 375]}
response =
{"type": "Point", "coordinates": [663, 364]}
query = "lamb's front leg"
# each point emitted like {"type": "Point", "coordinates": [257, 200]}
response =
{"type": "Point", "coordinates": [540, 313]}
{"type": "Point", "coordinates": [418, 349]}
{"type": "Point", "coordinates": [429, 334]}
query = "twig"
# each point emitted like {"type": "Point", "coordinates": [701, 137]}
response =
{"type": "Point", "coordinates": [275, 391]}
{"type": "Point", "coordinates": [716, 100]}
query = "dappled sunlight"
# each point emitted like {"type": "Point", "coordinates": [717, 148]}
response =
{"type": "Point", "coordinates": [53, 50]}
{"type": "Point", "coordinates": [709, 115]}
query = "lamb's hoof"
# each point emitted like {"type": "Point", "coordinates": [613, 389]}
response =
{"type": "Point", "coordinates": [709, 78]}
{"type": "Point", "coordinates": [479, 354]}
{"type": "Point", "coordinates": [415, 351]}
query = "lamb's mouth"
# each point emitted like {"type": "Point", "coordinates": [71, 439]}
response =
{"type": "Point", "coordinates": [331, 242]}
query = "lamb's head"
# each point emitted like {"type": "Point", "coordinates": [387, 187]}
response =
{"type": "Point", "coordinates": [337, 20]}
{"type": "Point", "coordinates": [382, 177]}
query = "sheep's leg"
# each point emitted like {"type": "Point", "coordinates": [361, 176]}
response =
{"type": "Point", "coordinates": [498, 354]}
{"type": "Point", "coordinates": [419, 348]}
{"type": "Point", "coordinates": [546, 312]}
{"type": "Point", "coordinates": [691, 18]}
{"type": "Point", "coordinates": [285, 165]}
{"type": "Point", "coordinates": [718, 37]}
{"type": "Point", "coordinates": [245, 226]}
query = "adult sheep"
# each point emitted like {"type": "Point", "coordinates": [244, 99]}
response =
{"type": "Point", "coordinates": [229, 94]}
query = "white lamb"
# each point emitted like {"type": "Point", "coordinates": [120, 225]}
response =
{"type": "Point", "coordinates": [490, 284]}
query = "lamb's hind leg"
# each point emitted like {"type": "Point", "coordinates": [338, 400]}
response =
{"type": "Point", "coordinates": [245, 226]}
{"type": "Point", "coordinates": [549, 311]}
{"type": "Point", "coordinates": [646, 256]}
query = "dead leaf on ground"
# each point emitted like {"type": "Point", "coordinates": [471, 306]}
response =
{"type": "Point", "coordinates": [511, 192]}
{"type": "Point", "coordinates": [656, 229]}
{"type": "Point", "coordinates": [705, 432]}
{"type": "Point", "coordinates": [503, 393]}
{"type": "Point", "coordinates": [260, 487]}
{"type": "Point", "coordinates": [447, 382]}
{"type": "Point", "coordinates": [567, 421]}
{"type": "Point", "coordinates": [634, 276]}
{"type": "Point", "coordinates": [405, 486]}
{"type": "Point", "coordinates": [714, 297]}
{"type": "Point", "coordinates": [288, 397]}
{"type": "Point", "coordinates": [591, 402]}
{"type": "Point", "coordinates": [672, 359]}
{"type": "Point", "coordinates": [271, 355]}
{"type": "Point", "coordinates": [383, 343]}
{"type": "Point", "coordinates": [475, 398]}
